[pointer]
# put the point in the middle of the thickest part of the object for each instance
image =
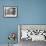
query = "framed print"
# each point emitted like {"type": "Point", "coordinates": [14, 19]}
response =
{"type": "Point", "coordinates": [31, 32]}
{"type": "Point", "coordinates": [10, 11]}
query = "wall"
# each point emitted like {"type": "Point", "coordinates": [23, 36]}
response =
{"type": "Point", "coordinates": [7, 25]}
{"type": "Point", "coordinates": [29, 12]}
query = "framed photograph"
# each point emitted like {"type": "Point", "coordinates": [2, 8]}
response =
{"type": "Point", "coordinates": [10, 11]}
{"type": "Point", "coordinates": [31, 32]}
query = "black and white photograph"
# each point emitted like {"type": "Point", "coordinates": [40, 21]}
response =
{"type": "Point", "coordinates": [31, 34]}
{"type": "Point", "coordinates": [10, 11]}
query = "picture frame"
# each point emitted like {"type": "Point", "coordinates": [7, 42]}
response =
{"type": "Point", "coordinates": [38, 30]}
{"type": "Point", "coordinates": [10, 11]}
